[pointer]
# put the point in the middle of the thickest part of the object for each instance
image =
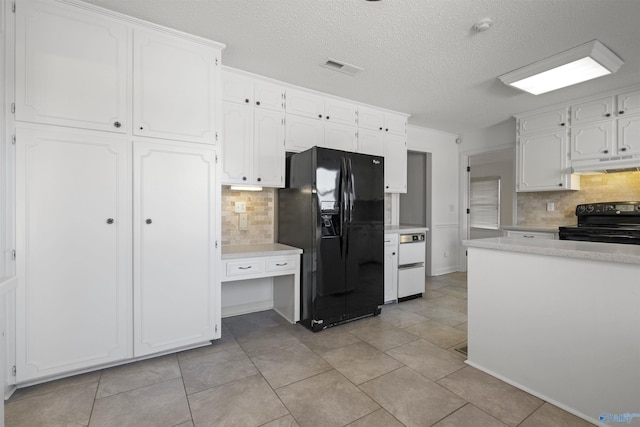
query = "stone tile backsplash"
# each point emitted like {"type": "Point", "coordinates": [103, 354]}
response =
{"type": "Point", "coordinates": [260, 216]}
{"type": "Point", "coordinates": [613, 187]}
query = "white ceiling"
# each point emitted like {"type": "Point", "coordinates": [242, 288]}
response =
{"type": "Point", "coordinates": [420, 57]}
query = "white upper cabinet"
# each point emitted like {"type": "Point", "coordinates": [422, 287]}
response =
{"type": "Point", "coordinates": [628, 103]}
{"type": "Point", "coordinates": [268, 148]}
{"type": "Point", "coordinates": [592, 111]}
{"type": "Point", "coordinates": [593, 141]}
{"type": "Point", "coordinates": [237, 143]}
{"type": "Point", "coordinates": [73, 237]}
{"type": "Point", "coordinates": [395, 124]}
{"type": "Point", "coordinates": [543, 122]}
{"type": "Point", "coordinates": [71, 67]}
{"type": "Point", "coordinates": [174, 92]}
{"type": "Point", "coordinates": [370, 142]}
{"type": "Point", "coordinates": [543, 163]}
{"type": "Point", "coordinates": [339, 137]}
{"type": "Point", "coordinates": [395, 164]}
{"type": "Point", "coordinates": [303, 133]}
{"type": "Point", "coordinates": [304, 104]}
{"type": "Point", "coordinates": [340, 112]}
{"type": "Point", "coordinates": [629, 135]}
{"type": "Point", "coordinates": [248, 91]}
{"type": "Point", "coordinates": [369, 118]}
{"type": "Point", "coordinates": [174, 225]}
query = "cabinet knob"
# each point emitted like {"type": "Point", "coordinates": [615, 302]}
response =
{"type": "Point", "coordinates": [380, 128]}
{"type": "Point", "coordinates": [259, 179]}
{"type": "Point", "coordinates": [386, 130]}
{"type": "Point", "coordinates": [257, 102]}
{"type": "Point", "coordinates": [117, 124]}
{"type": "Point", "coordinates": [560, 185]}
{"type": "Point", "coordinates": [244, 178]}
{"type": "Point", "coordinates": [605, 151]}
{"type": "Point", "coordinates": [327, 117]}
{"type": "Point", "coordinates": [561, 124]}
{"type": "Point", "coordinates": [148, 221]}
{"type": "Point", "coordinates": [109, 220]}
{"type": "Point", "coordinates": [621, 112]}
{"type": "Point", "coordinates": [393, 253]}
{"type": "Point", "coordinates": [320, 115]}
{"type": "Point", "coordinates": [608, 115]}
{"type": "Point", "coordinates": [246, 100]}
{"type": "Point", "coordinates": [386, 186]}
{"type": "Point", "coordinates": [141, 128]}
{"type": "Point", "coordinates": [623, 149]}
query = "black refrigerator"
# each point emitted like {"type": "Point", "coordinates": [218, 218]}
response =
{"type": "Point", "coordinates": [333, 209]}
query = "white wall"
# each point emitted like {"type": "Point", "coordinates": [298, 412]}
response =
{"type": "Point", "coordinates": [445, 241]}
{"type": "Point", "coordinates": [490, 138]}
{"type": "Point", "coordinates": [3, 133]}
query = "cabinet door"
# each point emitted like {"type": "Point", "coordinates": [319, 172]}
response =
{"type": "Point", "coordinates": [629, 103]}
{"type": "Point", "coordinates": [236, 88]}
{"type": "Point", "coordinates": [303, 133]}
{"type": "Point", "coordinates": [73, 235]}
{"type": "Point", "coordinates": [592, 141]}
{"type": "Point", "coordinates": [268, 148]}
{"type": "Point", "coordinates": [395, 124]}
{"type": "Point", "coordinates": [268, 96]}
{"type": "Point", "coordinates": [340, 112]}
{"type": "Point", "coordinates": [629, 136]}
{"type": "Point", "coordinates": [368, 118]}
{"type": "Point", "coordinates": [339, 137]}
{"type": "Point", "coordinates": [542, 161]}
{"type": "Point", "coordinates": [370, 142]}
{"type": "Point", "coordinates": [543, 122]}
{"type": "Point", "coordinates": [174, 88]}
{"type": "Point", "coordinates": [390, 268]}
{"type": "Point", "coordinates": [71, 67]}
{"type": "Point", "coordinates": [175, 288]}
{"type": "Point", "coordinates": [237, 143]}
{"type": "Point", "coordinates": [395, 164]}
{"type": "Point", "coordinates": [592, 111]}
{"type": "Point", "coordinates": [305, 104]}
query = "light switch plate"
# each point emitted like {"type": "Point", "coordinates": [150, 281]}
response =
{"type": "Point", "coordinates": [551, 207]}
{"type": "Point", "coordinates": [242, 222]}
{"type": "Point", "coordinates": [240, 207]}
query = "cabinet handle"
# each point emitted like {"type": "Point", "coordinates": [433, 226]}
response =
{"type": "Point", "coordinates": [386, 130]}
{"type": "Point", "coordinates": [393, 253]}
{"type": "Point", "coordinates": [380, 128]}
{"type": "Point", "coordinates": [109, 220]}
{"type": "Point", "coordinates": [320, 115]}
{"type": "Point", "coordinates": [528, 237]}
{"type": "Point", "coordinates": [148, 221]}
{"type": "Point", "coordinates": [605, 151]}
{"type": "Point", "coordinates": [560, 185]}
{"type": "Point", "coordinates": [327, 117]}
{"type": "Point", "coordinates": [244, 178]}
{"type": "Point", "coordinates": [621, 112]}
{"type": "Point", "coordinates": [623, 149]}
{"type": "Point", "coordinates": [259, 179]}
{"type": "Point", "coordinates": [386, 186]}
{"type": "Point", "coordinates": [282, 264]}
{"type": "Point", "coordinates": [257, 102]}
{"type": "Point", "coordinates": [244, 268]}
{"type": "Point", "coordinates": [117, 124]}
{"type": "Point", "coordinates": [561, 124]}
{"type": "Point", "coordinates": [608, 115]}
{"type": "Point", "coordinates": [141, 128]}
{"type": "Point", "coordinates": [246, 100]}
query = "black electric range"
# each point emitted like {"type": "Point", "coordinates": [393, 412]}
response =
{"type": "Point", "coordinates": [610, 222]}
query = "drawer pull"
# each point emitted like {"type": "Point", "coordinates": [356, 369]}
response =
{"type": "Point", "coordinates": [528, 236]}
{"type": "Point", "coordinates": [244, 268]}
{"type": "Point", "coordinates": [282, 264]}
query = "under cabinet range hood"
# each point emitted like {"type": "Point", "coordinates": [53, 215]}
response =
{"type": "Point", "coordinates": [606, 166]}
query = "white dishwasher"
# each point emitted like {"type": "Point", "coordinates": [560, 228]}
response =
{"type": "Point", "coordinates": [412, 252]}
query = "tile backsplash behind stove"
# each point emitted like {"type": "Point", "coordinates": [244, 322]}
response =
{"type": "Point", "coordinates": [613, 187]}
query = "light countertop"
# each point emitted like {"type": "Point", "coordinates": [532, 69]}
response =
{"type": "Point", "coordinates": [267, 249]}
{"type": "Point", "coordinates": [401, 229]}
{"type": "Point", "coordinates": [608, 252]}
{"type": "Point", "coordinates": [542, 228]}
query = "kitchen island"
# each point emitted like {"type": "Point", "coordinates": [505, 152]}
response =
{"type": "Point", "coordinates": [558, 319]}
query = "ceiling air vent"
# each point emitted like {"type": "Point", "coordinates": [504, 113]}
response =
{"type": "Point", "coordinates": [342, 67]}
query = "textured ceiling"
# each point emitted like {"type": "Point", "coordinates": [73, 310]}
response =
{"type": "Point", "coordinates": [421, 57]}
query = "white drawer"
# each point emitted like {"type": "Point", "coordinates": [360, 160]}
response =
{"type": "Point", "coordinates": [281, 264]}
{"type": "Point", "coordinates": [240, 268]}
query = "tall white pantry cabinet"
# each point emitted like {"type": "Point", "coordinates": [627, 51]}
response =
{"type": "Point", "coordinates": [117, 195]}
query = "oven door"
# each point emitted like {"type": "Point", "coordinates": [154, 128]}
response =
{"type": "Point", "coordinates": [601, 234]}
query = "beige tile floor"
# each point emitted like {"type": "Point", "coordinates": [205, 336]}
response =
{"type": "Point", "coordinates": [399, 368]}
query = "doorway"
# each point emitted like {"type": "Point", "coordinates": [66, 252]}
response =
{"type": "Point", "coordinates": [415, 204]}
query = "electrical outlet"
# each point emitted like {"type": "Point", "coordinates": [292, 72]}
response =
{"type": "Point", "coordinates": [551, 207]}
{"type": "Point", "coordinates": [240, 207]}
{"type": "Point", "coordinates": [242, 222]}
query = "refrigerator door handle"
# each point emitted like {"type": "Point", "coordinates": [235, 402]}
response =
{"type": "Point", "coordinates": [343, 195]}
{"type": "Point", "coordinates": [350, 190]}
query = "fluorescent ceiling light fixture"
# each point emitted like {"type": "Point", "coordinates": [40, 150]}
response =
{"type": "Point", "coordinates": [577, 65]}
{"type": "Point", "coordinates": [245, 188]}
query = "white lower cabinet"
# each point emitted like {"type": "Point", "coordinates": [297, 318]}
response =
{"type": "Point", "coordinates": [174, 237]}
{"type": "Point", "coordinates": [77, 306]}
{"type": "Point", "coordinates": [390, 267]}
{"type": "Point", "coordinates": [73, 235]}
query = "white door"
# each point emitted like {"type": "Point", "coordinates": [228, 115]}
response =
{"type": "Point", "coordinates": [593, 111]}
{"type": "Point", "coordinates": [305, 104]}
{"type": "Point", "coordinates": [71, 67]}
{"type": "Point", "coordinates": [368, 118]}
{"type": "Point", "coordinates": [592, 141]}
{"type": "Point", "coordinates": [73, 235]}
{"type": "Point", "coordinates": [395, 124]}
{"type": "Point", "coordinates": [268, 96]}
{"type": "Point", "coordinates": [174, 88]}
{"type": "Point", "coordinates": [542, 161]}
{"type": "Point", "coordinates": [629, 103]}
{"type": "Point", "coordinates": [175, 289]}
{"type": "Point", "coordinates": [629, 135]}
{"type": "Point", "coordinates": [340, 112]}
{"type": "Point", "coordinates": [303, 133]}
{"type": "Point", "coordinates": [370, 142]}
{"type": "Point", "coordinates": [395, 164]}
{"type": "Point", "coordinates": [268, 148]}
{"type": "Point", "coordinates": [237, 146]}
{"type": "Point", "coordinates": [340, 137]}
